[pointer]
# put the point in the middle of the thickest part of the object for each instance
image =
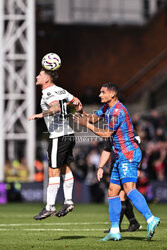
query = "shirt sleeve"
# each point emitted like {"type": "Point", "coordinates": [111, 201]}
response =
{"type": "Point", "coordinates": [115, 119]}
{"type": "Point", "coordinates": [50, 99]}
{"type": "Point", "coordinates": [107, 145]}
{"type": "Point", "coordinates": [69, 97]}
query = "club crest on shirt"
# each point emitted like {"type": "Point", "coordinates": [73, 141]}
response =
{"type": "Point", "coordinates": [116, 111]}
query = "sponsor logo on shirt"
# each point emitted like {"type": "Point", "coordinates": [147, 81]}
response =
{"type": "Point", "coordinates": [49, 97]}
{"type": "Point", "coordinates": [61, 92]}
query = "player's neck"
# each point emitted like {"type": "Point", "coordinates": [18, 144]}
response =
{"type": "Point", "coordinates": [112, 103]}
{"type": "Point", "coordinates": [47, 85]}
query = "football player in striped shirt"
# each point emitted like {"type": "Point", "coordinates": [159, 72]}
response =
{"type": "Point", "coordinates": [128, 157]}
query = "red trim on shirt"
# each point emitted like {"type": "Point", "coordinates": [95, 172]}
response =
{"type": "Point", "coordinates": [119, 132]}
{"type": "Point", "coordinates": [115, 113]}
{"type": "Point", "coordinates": [73, 99]}
{"type": "Point", "coordinates": [130, 129]}
{"type": "Point", "coordinates": [105, 108]}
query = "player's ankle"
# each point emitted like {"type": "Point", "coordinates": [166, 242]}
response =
{"type": "Point", "coordinates": [68, 202]}
{"type": "Point", "coordinates": [50, 208]}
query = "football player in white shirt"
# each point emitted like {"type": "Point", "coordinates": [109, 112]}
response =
{"type": "Point", "coordinates": [61, 141]}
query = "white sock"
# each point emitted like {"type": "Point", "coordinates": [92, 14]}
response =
{"type": "Point", "coordinates": [52, 189]}
{"type": "Point", "coordinates": [150, 219]}
{"type": "Point", "coordinates": [68, 187]}
{"type": "Point", "coordinates": [114, 230]}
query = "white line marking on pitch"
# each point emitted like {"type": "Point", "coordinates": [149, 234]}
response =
{"type": "Point", "coordinates": [53, 229]}
{"type": "Point", "coordinates": [53, 224]}
{"type": "Point", "coordinates": [61, 229]}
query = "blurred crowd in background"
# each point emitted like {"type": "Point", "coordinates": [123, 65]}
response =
{"type": "Point", "coordinates": [152, 131]}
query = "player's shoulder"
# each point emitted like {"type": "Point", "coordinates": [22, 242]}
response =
{"type": "Point", "coordinates": [121, 108]}
{"type": "Point", "coordinates": [54, 91]}
{"type": "Point", "coordinates": [61, 92]}
{"type": "Point", "coordinates": [48, 92]}
{"type": "Point", "coordinates": [119, 105]}
{"type": "Point", "coordinates": [116, 109]}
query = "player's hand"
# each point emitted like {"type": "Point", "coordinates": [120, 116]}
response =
{"type": "Point", "coordinates": [81, 119]}
{"type": "Point", "coordinates": [77, 103]}
{"type": "Point", "coordinates": [99, 174]}
{"type": "Point", "coordinates": [78, 107]}
{"type": "Point", "coordinates": [35, 117]}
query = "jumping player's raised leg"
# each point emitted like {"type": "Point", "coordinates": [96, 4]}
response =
{"type": "Point", "coordinates": [52, 190]}
{"type": "Point", "coordinates": [68, 182]}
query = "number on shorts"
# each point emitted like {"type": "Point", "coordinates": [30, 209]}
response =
{"type": "Point", "coordinates": [124, 167]}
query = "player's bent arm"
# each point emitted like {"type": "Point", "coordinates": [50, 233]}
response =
{"type": "Point", "coordinates": [54, 108]}
{"type": "Point", "coordinates": [93, 118]}
{"type": "Point", "coordinates": [84, 120]}
{"type": "Point", "coordinates": [104, 133]}
{"type": "Point", "coordinates": [77, 103]}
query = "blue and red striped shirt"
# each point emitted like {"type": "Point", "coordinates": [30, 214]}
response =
{"type": "Point", "coordinates": [119, 121]}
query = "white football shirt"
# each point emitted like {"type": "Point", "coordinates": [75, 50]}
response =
{"type": "Point", "coordinates": [57, 124]}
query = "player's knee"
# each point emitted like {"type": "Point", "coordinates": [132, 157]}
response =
{"type": "Point", "coordinates": [112, 191]}
{"type": "Point", "coordinates": [129, 186]}
{"type": "Point", "coordinates": [65, 169]}
{"type": "Point", "coordinates": [53, 172]}
{"type": "Point", "coordinates": [122, 195]}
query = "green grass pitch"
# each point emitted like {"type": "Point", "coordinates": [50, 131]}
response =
{"type": "Point", "coordinates": [80, 229]}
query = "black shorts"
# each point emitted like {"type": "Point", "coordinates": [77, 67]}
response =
{"type": "Point", "coordinates": [60, 151]}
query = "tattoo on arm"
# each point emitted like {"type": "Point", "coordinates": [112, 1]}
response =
{"type": "Point", "coordinates": [54, 108]}
{"type": "Point", "coordinates": [48, 112]}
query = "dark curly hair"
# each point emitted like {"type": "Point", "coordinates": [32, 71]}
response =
{"type": "Point", "coordinates": [52, 73]}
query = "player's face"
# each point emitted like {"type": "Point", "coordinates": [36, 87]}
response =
{"type": "Point", "coordinates": [42, 78]}
{"type": "Point", "coordinates": [106, 95]}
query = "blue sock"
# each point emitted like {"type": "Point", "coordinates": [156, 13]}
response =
{"type": "Point", "coordinates": [140, 203]}
{"type": "Point", "coordinates": [114, 210]}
